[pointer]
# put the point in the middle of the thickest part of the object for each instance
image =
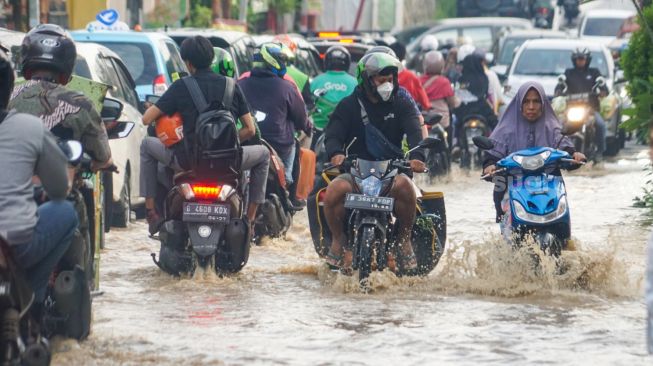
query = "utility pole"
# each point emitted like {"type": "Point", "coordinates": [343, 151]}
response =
{"type": "Point", "coordinates": [243, 10]}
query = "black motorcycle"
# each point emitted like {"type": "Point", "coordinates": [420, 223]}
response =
{"type": "Point", "coordinates": [438, 159]}
{"type": "Point", "coordinates": [371, 225]}
{"type": "Point", "coordinates": [472, 126]}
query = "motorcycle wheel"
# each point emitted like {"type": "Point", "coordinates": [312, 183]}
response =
{"type": "Point", "coordinates": [365, 249]}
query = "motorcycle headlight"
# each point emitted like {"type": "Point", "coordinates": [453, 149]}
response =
{"type": "Point", "coordinates": [521, 213]}
{"type": "Point", "coordinates": [370, 186]}
{"type": "Point", "coordinates": [533, 162]}
{"type": "Point", "coordinates": [576, 114]}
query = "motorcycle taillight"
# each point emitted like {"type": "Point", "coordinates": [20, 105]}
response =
{"type": "Point", "coordinates": [206, 192]}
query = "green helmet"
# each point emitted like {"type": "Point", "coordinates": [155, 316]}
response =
{"type": "Point", "coordinates": [223, 63]}
{"type": "Point", "coordinates": [375, 63]}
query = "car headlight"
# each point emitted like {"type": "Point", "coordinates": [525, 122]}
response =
{"type": "Point", "coordinates": [370, 186]}
{"type": "Point", "coordinates": [576, 114]}
{"type": "Point", "coordinates": [533, 162]}
{"type": "Point", "coordinates": [521, 213]}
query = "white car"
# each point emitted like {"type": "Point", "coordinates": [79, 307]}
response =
{"type": "Point", "coordinates": [100, 64]}
{"type": "Point", "coordinates": [603, 25]}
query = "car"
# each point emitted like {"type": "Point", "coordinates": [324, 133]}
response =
{"type": "Point", "coordinates": [152, 59]}
{"type": "Point", "coordinates": [502, 8]}
{"type": "Point", "coordinates": [545, 60]}
{"type": "Point", "coordinates": [100, 64]}
{"type": "Point", "coordinates": [240, 45]}
{"type": "Point", "coordinates": [484, 32]}
{"type": "Point", "coordinates": [356, 50]}
{"type": "Point", "coordinates": [504, 50]}
{"type": "Point", "coordinates": [603, 25]}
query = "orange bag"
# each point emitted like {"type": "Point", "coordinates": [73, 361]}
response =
{"type": "Point", "coordinates": [169, 129]}
{"type": "Point", "coordinates": [306, 173]}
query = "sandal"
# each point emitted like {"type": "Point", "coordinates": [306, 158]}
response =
{"type": "Point", "coordinates": [408, 263]}
{"type": "Point", "coordinates": [333, 261]}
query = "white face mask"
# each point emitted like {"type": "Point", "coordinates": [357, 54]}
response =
{"type": "Point", "coordinates": [385, 90]}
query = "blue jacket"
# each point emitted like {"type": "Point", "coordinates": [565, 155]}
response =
{"type": "Point", "coordinates": [277, 106]}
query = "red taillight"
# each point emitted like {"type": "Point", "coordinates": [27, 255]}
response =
{"type": "Point", "coordinates": [322, 55]}
{"type": "Point", "coordinates": [159, 85]}
{"type": "Point", "coordinates": [206, 192]}
{"type": "Point", "coordinates": [543, 11]}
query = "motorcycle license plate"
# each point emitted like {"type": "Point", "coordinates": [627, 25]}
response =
{"type": "Point", "coordinates": [371, 203]}
{"type": "Point", "coordinates": [202, 212]}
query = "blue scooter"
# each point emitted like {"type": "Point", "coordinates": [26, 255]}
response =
{"type": "Point", "coordinates": [537, 199]}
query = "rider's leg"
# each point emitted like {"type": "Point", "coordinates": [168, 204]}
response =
{"type": "Point", "coordinates": [601, 132]}
{"type": "Point", "coordinates": [57, 221]}
{"type": "Point", "coordinates": [403, 192]}
{"type": "Point", "coordinates": [256, 159]}
{"type": "Point", "coordinates": [334, 210]}
{"type": "Point", "coordinates": [288, 162]}
{"type": "Point", "coordinates": [153, 152]}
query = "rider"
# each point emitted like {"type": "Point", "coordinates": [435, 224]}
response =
{"type": "Point", "coordinates": [279, 108]}
{"type": "Point", "coordinates": [409, 80]}
{"type": "Point", "coordinates": [289, 47]}
{"type": "Point", "coordinates": [197, 52]}
{"type": "Point", "coordinates": [394, 117]}
{"type": "Point", "coordinates": [428, 43]}
{"type": "Point", "coordinates": [48, 58]}
{"type": "Point", "coordinates": [438, 88]}
{"type": "Point", "coordinates": [529, 121]}
{"type": "Point", "coordinates": [581, 79]}
{"type": "Point", "coordinates": [335, 82]}
{"type": "Point", "coordinates": [39, 236]}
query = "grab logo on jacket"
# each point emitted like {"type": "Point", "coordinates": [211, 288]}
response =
{"type": "Point", "coordinates": [335, 86]}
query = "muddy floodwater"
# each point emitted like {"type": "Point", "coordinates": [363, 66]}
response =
{"type": "Point", "coordinates": [483, 304]}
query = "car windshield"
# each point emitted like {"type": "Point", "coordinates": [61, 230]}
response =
{"type": "Point", "coordinates": [551, 62]}
{"type": "Point", "coordinates": [139, 59]}
{"type": "Point", "coordinates": [508, 50]}
{"type": "Point", "coordinates": [602, 27]}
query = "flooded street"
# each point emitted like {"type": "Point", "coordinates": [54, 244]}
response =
{"type": "Point", "coordinates": [482, 303]}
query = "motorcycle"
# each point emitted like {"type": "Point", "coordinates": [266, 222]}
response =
{"type": "Point", "coordinates": [371, 225]}
{"type": "Point", "coordinates": [472, 126]}
{"type": "Point", "coordinates": [438, 161]}
{"type": "Point", "coordinates": [543, 14]}
{"type": "Point", "coordinates": [578, 117]}
{"type": "Point", "coordinates": [571, 8]}
{"type": "Point", "coordinates": [535, 203]}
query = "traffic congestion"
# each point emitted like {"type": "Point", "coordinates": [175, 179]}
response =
{"type": "Point", "coordinates": [466, 190]}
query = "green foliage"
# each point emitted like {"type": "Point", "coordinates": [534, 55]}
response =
{"type": "Point", "coordinates": [646, 200]}
{"type": "Point", "coordinates": [283, 6]}
{"type": "Point", "coordinates": [445, 9]}
{"type": "Point", "coordinates": [166, 13]}
{"type": "Point", "coordinates": [637, 62]}
{"type": "Point", "coordinates": [200, 17]}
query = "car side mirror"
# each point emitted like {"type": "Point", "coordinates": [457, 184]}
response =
{"type": "Point", "coordinates": [111, 110]}
{"type": "Point", "coordinates": [119, 130]}
{"type": "Point", "coordinates": [152, 99]}
{"type": "Point", "coordinates": [483, 142]}
{"type": "Point", "coordinates": [72, 149]}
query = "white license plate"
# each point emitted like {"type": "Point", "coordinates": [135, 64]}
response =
{"type": "Point", "coordinates": [363, 202]}
{"type": "Point", "coordinates": [202, 212]}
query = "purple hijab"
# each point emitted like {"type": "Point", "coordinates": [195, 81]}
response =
{"type": "Point", "coordinates": [514, 132]}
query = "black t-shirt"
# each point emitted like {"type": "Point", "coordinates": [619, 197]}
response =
{"type": "Point", "coordinates": [177, 98]}
{"type": "Point", "coordinates": [394, 119]}
{"type": "Point", "coordinates": [581, 81]}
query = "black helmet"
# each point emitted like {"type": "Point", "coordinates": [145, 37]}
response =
{"type": "Point", "coordinates": [7, 77]}
{"type": "Point", "coordinates": [49, 47]}
{"type": "Point", "coordinates": [581, 53]}
{"type": "Point", "coordinates": [337, 58]}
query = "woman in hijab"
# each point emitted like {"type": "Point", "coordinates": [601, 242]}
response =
{"type": "Point", "coordinates": [529, 121]}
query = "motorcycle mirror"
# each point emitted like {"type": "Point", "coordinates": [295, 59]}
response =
{"type": "Point", "coordinates": [562, 79]}
{"type": "Point", "coordinates": [72, 149]}
{"type": "Point", "coordinates": [489, 58]}
{"type": "Point", "coordinates": [600, 81]}
{"type": "Point", "coordinates": [483, 142]}
{"type": "Point", "coordinates": [119, 130]}
{"type": "Point", "coordinates": [432, 118]}
{"type": "Point", "coordinates": [320, 92]}
{"type": "Point", "coordinates": [111, 110]}
{"type": "Point", "coordinates": [430, 143]}
{"type": "Point", "coordinates": [152, 98]}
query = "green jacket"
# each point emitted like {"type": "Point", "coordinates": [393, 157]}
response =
{"type": "Point", "coordinates": [338, 85]}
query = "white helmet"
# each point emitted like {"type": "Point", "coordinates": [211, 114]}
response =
{"type": "Point", "coordinates": [429, 43]}
{"type": "Point", "coordinates": [464, 51]}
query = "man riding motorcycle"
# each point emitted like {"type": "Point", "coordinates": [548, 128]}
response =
{"type": "Point", "coordinates": [394, 117]}
{"type": "Point", "coordinates": [197, 52]}
{"type": "Point", "coordinates": [279, 108]}
{"type": "Point", "coordinates": [335, 82]}
{"type": "Point", "coordinates": [289, 48]}
{"type": "Point", "coordinates": [582, 79]}
{"type": "Point", "coordinates": [39, 235]}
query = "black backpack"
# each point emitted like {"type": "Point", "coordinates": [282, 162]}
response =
{"type": "Point", "coordinates": [216, 135]}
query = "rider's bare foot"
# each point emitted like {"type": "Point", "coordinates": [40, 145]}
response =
{"type": "Point", "coordinates": [347, 260]}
